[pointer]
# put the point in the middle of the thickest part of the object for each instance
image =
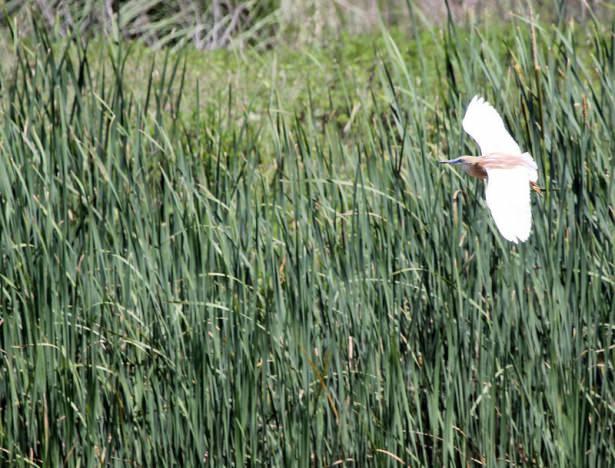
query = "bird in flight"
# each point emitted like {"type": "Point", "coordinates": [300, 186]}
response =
{"type": "Point", "coordinates": [510, 173]}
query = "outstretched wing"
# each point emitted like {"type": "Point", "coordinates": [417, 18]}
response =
{"type": "Point", "coordinates": [508, 199]}
{"type": "Point", "coordinates": [483, 123]}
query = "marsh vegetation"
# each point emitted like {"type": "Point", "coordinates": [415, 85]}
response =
{"type": "Point", "coordinates": [250, 256]}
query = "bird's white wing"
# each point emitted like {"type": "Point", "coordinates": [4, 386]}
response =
{"type": "Point", "coordinates": [483, 123]}
{"type": "Point", "coordinates": [508, 199]}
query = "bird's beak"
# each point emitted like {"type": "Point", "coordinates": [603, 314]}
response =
{"type": "Point", "coordinates": [449, 161]}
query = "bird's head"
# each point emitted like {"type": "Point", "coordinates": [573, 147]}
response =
{"type": "Point", "coordinates": [463, 160]}
{"type": "Point", "coordinates": [468, 164]}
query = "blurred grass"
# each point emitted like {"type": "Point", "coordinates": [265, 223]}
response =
{"type": "Point", "coordinates": [268, 267]}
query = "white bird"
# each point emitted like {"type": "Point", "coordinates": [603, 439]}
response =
{"type": "Point", "coordinates": [510, 173]}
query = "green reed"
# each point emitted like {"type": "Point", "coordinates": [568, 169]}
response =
{"type": "Point", "coordinates": [204, 289]}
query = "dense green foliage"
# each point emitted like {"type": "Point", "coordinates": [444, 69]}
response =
{"type": "Point", "coordinates": [284, 275]}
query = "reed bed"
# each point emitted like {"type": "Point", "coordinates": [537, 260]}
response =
{"type": "Point", "coordinates": [183, 284]}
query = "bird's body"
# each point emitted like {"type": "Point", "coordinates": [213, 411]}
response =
{"type": "Point", "coordinates": [509, 172]}
{"type": "Point", "coordinates": [477, 166]}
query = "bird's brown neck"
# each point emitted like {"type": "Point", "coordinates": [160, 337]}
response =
{"type": "Point", "coordinates": [475, 170]}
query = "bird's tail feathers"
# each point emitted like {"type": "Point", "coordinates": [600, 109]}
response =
{"type": "Point", "coordinates": [531, 166]}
